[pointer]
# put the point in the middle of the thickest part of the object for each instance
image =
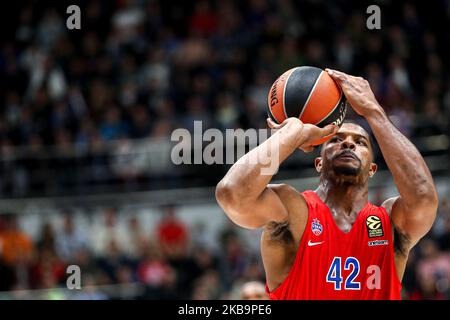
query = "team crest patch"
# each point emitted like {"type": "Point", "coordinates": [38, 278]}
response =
{"type": "Point", "coordinates": [316, 227]}
{"type": "Point", "coordinates": [374, 227]}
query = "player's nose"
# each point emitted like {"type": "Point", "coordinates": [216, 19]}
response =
{"type": "Point", "coordinates": [348, 144]}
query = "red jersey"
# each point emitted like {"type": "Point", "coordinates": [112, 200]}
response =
{"type": "Point", "coordinates": [333, 265]}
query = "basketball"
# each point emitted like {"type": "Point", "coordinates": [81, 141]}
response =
{"type": "Point", "coordinates": [310, 94]}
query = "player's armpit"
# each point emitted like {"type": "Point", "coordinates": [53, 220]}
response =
{"type": "Point", "coordinates": [412, 222]}
{"type": "Point", "coordinates": [278, 232]}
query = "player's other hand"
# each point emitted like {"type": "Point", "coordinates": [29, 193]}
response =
{"type": "Point", "coordinates": [357, 91]}
{"type": "Point", "coordinates": [308, 132]}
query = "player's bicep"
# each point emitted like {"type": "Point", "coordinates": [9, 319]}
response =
{"type": "Point", "coordinates": [411, 222]}
{"type": "Point", "coordinates": [256, 213]}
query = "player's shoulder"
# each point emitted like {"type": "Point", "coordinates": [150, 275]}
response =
{"type": "Point", "coordinates": [285, 189]}
{"type": "Point", "coordinates": [293, 200]}
{"type": "Point", "coordinates": [287, 192]}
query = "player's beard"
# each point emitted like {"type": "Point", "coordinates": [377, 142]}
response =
{"type": "Point", "coordinates": [347, 170]}
{"type": "Point", "coordinates": [342, 174]}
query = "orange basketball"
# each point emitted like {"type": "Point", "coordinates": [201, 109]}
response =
{"type": "Point", "coordinates": [310, 94]}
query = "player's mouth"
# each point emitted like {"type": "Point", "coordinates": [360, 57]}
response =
{"type": "Point", "coordinates": [346, 155]}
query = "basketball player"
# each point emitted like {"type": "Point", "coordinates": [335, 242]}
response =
{"type": "Point", "coordinates": [332, 243]}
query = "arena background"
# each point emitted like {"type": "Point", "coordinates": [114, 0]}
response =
{"type": "Point", "coordinates": [86, 116]}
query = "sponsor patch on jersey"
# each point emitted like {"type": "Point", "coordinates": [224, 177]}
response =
{"type": "Point", "coordinates": [374, 227]}
{"type": "Point", "coordinates": [316, 227]}
{"type": "Point", "coordinates": [377, 243]}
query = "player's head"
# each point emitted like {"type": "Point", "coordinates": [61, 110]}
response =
{"type": "Point", "coordinates": [253, 290]}
{"type": "Point", "coordinates": [348, 156]}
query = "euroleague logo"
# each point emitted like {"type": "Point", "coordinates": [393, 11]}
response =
{"type": "Point", "coordinates": [374, 226]}
{"type": "Point", "coordinates": [316, 227]}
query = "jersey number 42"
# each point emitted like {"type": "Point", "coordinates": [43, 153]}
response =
{"type": "Point", "coordinates": [352, 264]}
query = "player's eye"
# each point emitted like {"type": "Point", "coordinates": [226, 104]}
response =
{"type": "Point", "coordinates": [335, 139]}
{"type": "Point", "coordinates": [362, 142]}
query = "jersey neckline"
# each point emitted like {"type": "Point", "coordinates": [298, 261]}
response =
{"type": "Point", "coordinates": [334, 221]}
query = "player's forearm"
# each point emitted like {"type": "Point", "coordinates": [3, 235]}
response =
{"type": "Point", "coordinates": [251, 174]}
{"type": "Point", "coordinates": [409, 170]}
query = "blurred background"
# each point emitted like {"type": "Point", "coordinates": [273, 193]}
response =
{"type": "Point", "coordinates": [86, 116]}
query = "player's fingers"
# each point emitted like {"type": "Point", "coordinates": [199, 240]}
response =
{"type": "Point", "coordinates": [272, 124]}
{"type": "Point", "coordinates": [336, 74]}
{"type": "Point", "coordinates": [307, 149]}
{"type": "Point", "coordinates": [341, 78]}
{"type": "Point", "coordinates": [328, 130]}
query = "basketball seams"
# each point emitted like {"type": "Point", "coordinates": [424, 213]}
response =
{"type": "Point", "coordinates": [310, 94]}
{"type": "Point", "coordinates": [284, 91]}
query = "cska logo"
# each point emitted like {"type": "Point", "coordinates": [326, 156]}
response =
{"type": "Point", "coordinates": [316, 227]}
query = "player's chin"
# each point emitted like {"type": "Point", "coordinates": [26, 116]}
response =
{"type": "Point", "coordinates": [349, 170]}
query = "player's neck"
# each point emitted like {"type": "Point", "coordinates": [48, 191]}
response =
{"type": "Point", "coordinates": [347, 198]}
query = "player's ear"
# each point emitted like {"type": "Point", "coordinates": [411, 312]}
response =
{"type": "Point", "coordinates": [318, 164]}
{"type": "Point", "coordinates": [373, 169]}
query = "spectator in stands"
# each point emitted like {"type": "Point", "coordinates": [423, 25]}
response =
{"type": "Point", "coordinates": [47, 270]}
{"type": "Point", "coordinates": [16, 246]}
{"type": "Point", "coordinates": [135, 239]}
{"type": "Point", "coordinates": [254, 290]}
{"type": "Point", "coordinates": [207, 287]}
{"type": "Point", "coordinates": [173, 237]}
{"type": "Point", "coordinates": [46, 239]}
{"type": "Point", "coordinates": [90, 264]}
{"type": "Point", "coordinates": [7, 276]}
{"type": "Point", "coordinates": [434, 266]}
{"type": "Point", "coordinates": [172, 233]}
{"type": "Point", "coordinates": [153, 269]}
{"type": "Point", "coordinates": [105, 231]}
{"type": "Point", "coordinates": [233, 258]}
{"type": "Point", "coordinates": [70, 239]}
{"type": "Point", "coordinates": [427, 290]}
{"type": "Point", "coordinates": [113, 260]}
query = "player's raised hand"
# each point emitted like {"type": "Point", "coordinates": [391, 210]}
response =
{"type": "Point", "coordinates": [309, 133]}
{"type": "Point", "coordinates": [357, 91]}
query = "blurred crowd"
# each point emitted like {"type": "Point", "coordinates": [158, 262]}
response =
{"type": "Point", "coordinates": [168, 262]}
{"type": "Point", "coordinates": [139, 69]}
{"type": "Point", "coordinates": [172, 261]}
